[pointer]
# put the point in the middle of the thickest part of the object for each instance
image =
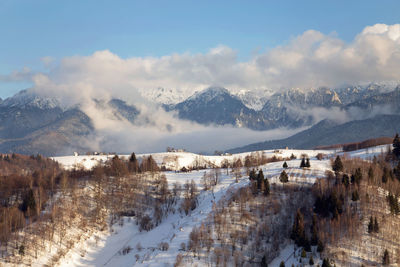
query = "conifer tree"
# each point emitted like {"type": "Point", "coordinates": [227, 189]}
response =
{"type": "Point", "coordinates": [252, 175]}
{"type": "Point", "coordinates": [346, 180]}
{"type": "Point", "coordinates": [303, 163]}
{"type": "Point", "coordinates": [355, 196]}
{"type": "Point", "coordinates": [385, 176]}
{"type": "Point", "coordinates": [396, 171]}
{"type": "Point", "coordinates": [356, 177]}
{"type": "Point", "coordinates": [326, 263]}
{"type": "Point", "coordinates": [263, 262]}
{"type": "Point", "coordinates": [282, 264]}
{"type": "Point", "coordinates": [320, 246]}
{"type": "Point", "coordinates": [285, 165]}
{"type": "Point", "coordinates": [260, 179]}
{"type": "Point", "coordinates": [376, 226]}
{"type": "Point", "coordinates": [308, 165]}
{"type": "Point", "coordinates": [337, 165]}
{"type": "Point", "coordinates": [371, 225]}
{"type": "Point", "coordinates": [396, 146]}
{"type": "Point", "coordinates": [284, 178]}
{"type": "Point", "coordinates": [314, 231]}
{"type": "Point", "coordinates": [298, 231]}
{"type": "Point", "coordinates": [311, 261]}
{"type": "Point", "coordinates": [266, 187]}
{"type": "Point", "coordinates": [133, 164]}
{"type": "Point", "coordinates": [386, 260]}
{"type": "Point", "coordinates": [370, 173]}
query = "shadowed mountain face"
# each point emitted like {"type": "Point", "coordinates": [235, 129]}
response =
{"type": "Point", "coordinates": [327, 132]}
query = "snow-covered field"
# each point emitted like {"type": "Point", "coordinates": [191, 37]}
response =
{"type": "Point", "coordinates": [105, 248]}
{"type": "Point", "coordinates": [177, 160]}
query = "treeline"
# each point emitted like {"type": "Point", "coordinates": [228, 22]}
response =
{"type": "Point", "coordinates": [359, 145]}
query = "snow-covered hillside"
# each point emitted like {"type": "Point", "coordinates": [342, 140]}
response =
{"type": "Point", "coordinates": [124, 245]}
{"type": "Point", "coordinates": [175, 229]}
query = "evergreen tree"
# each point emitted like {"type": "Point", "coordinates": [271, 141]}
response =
{"type": "Point", "coordinates": [285, 165]}
{"type": "Point", "coordinates": [356, 177]}
{"type": "Point", "coordinates": [386, 260]}
{"type": "Point", "coordinates": [326, 263]}
{"type": "Point", "coordinates": [308, 165]}
{"type": "Point", "coordinates": [264, 262]}
{"type": "Point", "coordinates": [314, 231]}
{"type": "Point", "coordinates": [29, 202]}
{"type": "Point", "coordinates": [396, 171]}
{"type": "Point", "coordinates": [393, 204]}
{"type": "Point", "coordinates": [376, 226]}
{"type": "Point", "coordinates": [284, 178]}
{"type": "Point", "coordinates": [370, 173]}
{"type": "Point", "coordinates": [292, 156]}
{"type": "Point", "coordinates": [133, 164]}
{"type": "Point", "coordinates": [355, 196]}
{"type": "Point", "coordinates": [385, 176]}
{"type": "Point", "coordinates": [303, 253]}
{"type": "Point", "coordinates": [396, 146]}
{"type": "Point", "coordinates": [320, 246]}
{"type": "Point", "coordinates": [21, 250]}
{"type": "Point", "coordinates": [260, 179]}
{"type": "Point", "coordinates": [371, 225]}
{"type": "Point", "coordinates": [252, 175]}
{"type": "Point", "coordinates": [282, 264]}
{"type": "Point", "coordinates": [303, 163]}
{"type": "Point", "coordinates": [266, 187]}
{"type": "Point", "coordinates": [298, 233]}
{"type": "Point", "coordinates": [337, 165]}
{"type": "Point", "coordinates": [311, 261]}
{"type": "Point", "coordinates": [346, 180]}
{"type": "Point", "coordinates": [132, 158]}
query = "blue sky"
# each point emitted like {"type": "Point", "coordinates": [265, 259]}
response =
{"type": "Point", "coordinates": [31, 30]}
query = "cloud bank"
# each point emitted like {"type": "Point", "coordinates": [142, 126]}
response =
{"type": "Point", "coordinates": [310, 60]}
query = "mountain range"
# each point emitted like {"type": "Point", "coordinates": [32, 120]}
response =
{"type": "Point", "coordinates": [32, 124]}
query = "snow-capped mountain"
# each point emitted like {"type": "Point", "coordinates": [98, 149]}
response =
{"type": "Point", "coordinates": [164, 96]}
{"type": "Point", "coordinates": [254, 99]}
{"type": "Point", "coordinates": [218, 106]}
{"type": "Point", "coordinates": [26, 98]}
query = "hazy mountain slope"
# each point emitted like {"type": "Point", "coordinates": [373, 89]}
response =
{"type": "Point", "coordinates": [31, 124]}
{"type": "Point", "coordinates": [63, 135]}
{"type": "Point", "coordinates": [327, 132]}
{"type": "Point", "coordinates": [26, 112]}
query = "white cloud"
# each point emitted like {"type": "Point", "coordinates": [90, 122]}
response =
{"type": "Point", "coordinates": [18, 76]}
{"type": "Point", "coordinates": [312, 59]}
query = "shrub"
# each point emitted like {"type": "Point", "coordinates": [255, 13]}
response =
{"type": "Point", "coordinates": [145, 223]}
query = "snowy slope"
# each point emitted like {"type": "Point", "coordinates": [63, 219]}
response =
{"type": "Point", "coordinates": [177, 160]}
{"type": "Point", "coordinates": [175, 229]}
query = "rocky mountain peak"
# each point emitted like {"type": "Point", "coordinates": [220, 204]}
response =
{"type": "Point", "coordinates": [27, 98]}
